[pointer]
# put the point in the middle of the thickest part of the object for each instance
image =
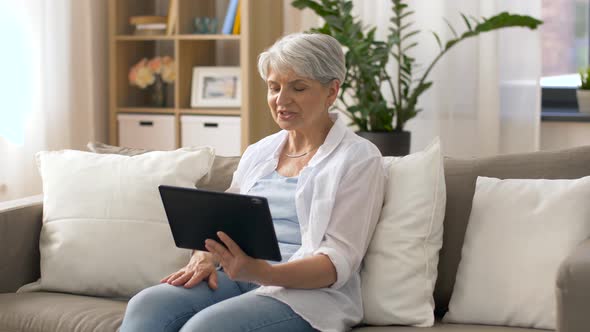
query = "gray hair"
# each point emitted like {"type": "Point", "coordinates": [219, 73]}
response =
{"type": "Point", "coordinates": [311, 55]}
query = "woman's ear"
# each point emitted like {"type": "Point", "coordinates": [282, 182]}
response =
{"type": "Point", "coordinates": [333, 89]}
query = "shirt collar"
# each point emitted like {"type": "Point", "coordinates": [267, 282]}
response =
{"type": "Point", "coordinates": [335, 136]}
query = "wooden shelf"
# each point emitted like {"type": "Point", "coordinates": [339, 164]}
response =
{"type": "Point", "coordinates": [193, 111]}
{"type": "Point", "coordinates": [261, 22]}
{"type": "Point", "coordinates": [143, 38]}
{"type": "Point", "coordinates": [150, 110]}
{"type": "Point", "coordinates": [208, 37]}
{"type": "Point", "coordinates": [179, 37]}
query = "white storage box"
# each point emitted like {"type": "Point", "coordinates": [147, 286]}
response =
{"type": "Point", "coordinates": [146, 131]}
{"type": "Point", "coordinates": [223, 133]}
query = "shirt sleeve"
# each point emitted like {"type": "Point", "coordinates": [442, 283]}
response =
{"type": "Point", "coordinates": [355, 212]}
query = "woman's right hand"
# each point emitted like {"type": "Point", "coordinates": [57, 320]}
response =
{"type": "Point", "coordinates": [200, 267]}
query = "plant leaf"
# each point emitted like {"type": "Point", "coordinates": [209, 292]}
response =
{"type": "Point", "coordinates": [505, 20]}
{"type": "Point", "coordinates": [410, 46]}
{"type": "Point", "coordinates": [466, 22]}
{"type": "Point", "coordinates": [410, 34]}
{"type": "Point", "coordinates": [437, 39]}
{"type": "Point", "coordinates": [318, 8]}
{"type": "Point", "coordinates": [451, 28]}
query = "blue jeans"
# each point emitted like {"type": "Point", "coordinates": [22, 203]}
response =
{"type": "Point", "coordinates": [232, 307]}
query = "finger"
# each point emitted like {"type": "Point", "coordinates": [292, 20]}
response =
{"type": "Point", "coordinates": [217, 249]}
{"type": "Point", "coordinates": [195, 279]}
{"type": "Point", "coordinates": [230, 244]}
{"type": "Point", "coordinates": [216, 258]}
{"type": "Point", "coordinates": [165, 279]}
{"type": "Point", "coordinates": [175, 276]}
{"type": "Point", "coordinates": [213, 280]}
{"type": "Point", "coordinates": [182, 279]}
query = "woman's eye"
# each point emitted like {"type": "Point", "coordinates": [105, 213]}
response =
{"type": "Point", "coordinates": [299, 89]}
{"type": "Point", "coordinates": [273, 89]}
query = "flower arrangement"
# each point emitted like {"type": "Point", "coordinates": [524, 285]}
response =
{"type": "Point", "coordinates": [145, 72]}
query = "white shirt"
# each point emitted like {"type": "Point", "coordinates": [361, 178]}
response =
{"type": "Point", "coordinates": [338, 200]}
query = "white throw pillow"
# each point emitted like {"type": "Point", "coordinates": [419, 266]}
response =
{"type": "Point", "coordinates": [105, 231]}
{"type": "Point", "coordinates": [518, 234]}
{"type": "Point", "coordinates": [400, 267]}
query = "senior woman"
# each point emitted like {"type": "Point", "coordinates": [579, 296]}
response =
{"type": "Point", "coordinates": [325, 189]}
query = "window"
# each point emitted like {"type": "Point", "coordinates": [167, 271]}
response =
{"type": "Point", "coordinates": [565, 46]}
{"type": "Point", "coordinates": [16, 82]}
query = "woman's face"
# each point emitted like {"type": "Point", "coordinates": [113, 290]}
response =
{"type": "Point", "coordinates": [298, 103]}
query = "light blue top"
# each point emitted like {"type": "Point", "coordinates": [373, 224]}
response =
{"type": "Point", "coordinates": [280, 193]}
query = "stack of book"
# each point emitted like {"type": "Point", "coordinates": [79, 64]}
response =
{"type": "Point", "coordinates": [231, 24]}
{"type": "Point", "coordinates": [149, 25]}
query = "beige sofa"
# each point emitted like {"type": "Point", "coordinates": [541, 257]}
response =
{"type": "Point", "coordinates": [20, 224]}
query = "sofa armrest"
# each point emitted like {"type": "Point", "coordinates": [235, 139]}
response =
{"type": "Point", "coordinates": [20, 226]}
{"type": "Point", "coordinates": [573, 291]}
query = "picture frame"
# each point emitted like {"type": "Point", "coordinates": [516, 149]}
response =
{"type": "Point", "coordinates": [216, 86]}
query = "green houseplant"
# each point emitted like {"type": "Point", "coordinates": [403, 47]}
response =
{"type": "Point", "coordinates": [583, 92]}
{"type": "Point", "coordinates": [378, 119]}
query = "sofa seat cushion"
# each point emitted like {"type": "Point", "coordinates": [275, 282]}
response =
{"type": "Point", "coordinates": [43, 312]}
{"type": "Point", "coordinates": [440, 327]}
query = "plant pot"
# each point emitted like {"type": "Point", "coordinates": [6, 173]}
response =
{"type": "Point", "coordinates": [583, 97]}
{"type": "Point", "coordinates": [395, 143]}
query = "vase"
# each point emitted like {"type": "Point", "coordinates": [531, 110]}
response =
{"type": "Point", "coordinates": [583, 97]}
{"type": "Point", "coordinates": [394, 143]}
{"type": "Point", "coordinates": [158, 93]}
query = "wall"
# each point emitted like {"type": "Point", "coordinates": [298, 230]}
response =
{"type": "Point", "coordinates": [559, 135]}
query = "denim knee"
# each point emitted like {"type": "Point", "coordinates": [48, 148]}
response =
{"type": "Point", "coordinates": [155, 309]}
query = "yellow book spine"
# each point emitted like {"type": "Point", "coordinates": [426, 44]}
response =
{"type": "Point", "coordinates": [237, 21]}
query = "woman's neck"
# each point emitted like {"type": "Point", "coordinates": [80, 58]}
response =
{"type": "Point", "coordinates": [301, 141]}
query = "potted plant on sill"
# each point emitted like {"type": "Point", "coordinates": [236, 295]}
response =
{"type": "Point", "coordinates": [378, 119]}
{"type": "Point", "coordinates": [583, 92]}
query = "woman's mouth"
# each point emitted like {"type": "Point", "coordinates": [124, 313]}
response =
{"type": "Point", "coordinates": [286, 115]}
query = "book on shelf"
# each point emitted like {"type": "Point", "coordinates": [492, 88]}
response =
{"type": "Point", "coordinates": [150, 32]}
{"type": "Point", "coordinates": [172, 16]}
{"type": "Point", "coordinates": [151, 26]}
{"type": "Point", "coordinates": [147, 19]}
{"type": "Point", "coordinates": [150, 29]}
{"type": "Point", "coordinates": [230, 17]}
{"type": "Point", "coordinates": [237, 21]}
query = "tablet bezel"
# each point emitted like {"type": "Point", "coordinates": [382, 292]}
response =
{"type": "Point", "coordinates": [195, 215]}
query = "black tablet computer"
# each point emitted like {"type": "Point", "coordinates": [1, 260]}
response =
{"type": "Point", "coordinates": [195, 215]}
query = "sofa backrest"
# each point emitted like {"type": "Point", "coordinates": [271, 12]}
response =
{"type": "Point", "coordinates": [460, 177]}
{"type": "Point", "coordinates": [221, 173]}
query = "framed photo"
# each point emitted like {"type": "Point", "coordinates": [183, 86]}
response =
{"type": "Point", "coordinates": [216, 87]}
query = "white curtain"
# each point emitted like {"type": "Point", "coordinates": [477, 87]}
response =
{"type": "Point", "coordinates": [60, 100]}
{"type": "Point", "coordinates": [486, 97]}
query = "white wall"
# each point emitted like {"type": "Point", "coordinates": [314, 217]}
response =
{"type": "Point", "coordinates": [559, 135]}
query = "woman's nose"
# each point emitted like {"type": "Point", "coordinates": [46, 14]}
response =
{"type": "Point", "coordinates": [283, 97]}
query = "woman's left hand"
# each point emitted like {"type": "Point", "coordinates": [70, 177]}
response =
{"type": "Point", "coordinates": [236, 264]}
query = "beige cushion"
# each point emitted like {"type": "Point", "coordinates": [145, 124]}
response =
{"type": "Point", "coordinates": [399, 269]}
{"type": "Point", "coordinates": [47, 312]}
{"type": "Point", "coordinates": [218, 179]}
{"type": "Point", "coordinates": [519, 232]}
{"type": "Point", "coordinates": [100, 210]}
{"type": "Point", "coordinates": [439, 327]}
{"type": "Point", "coordinates": [44, 312]}
{"type": "Point", "coordinates": [460, 176]}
